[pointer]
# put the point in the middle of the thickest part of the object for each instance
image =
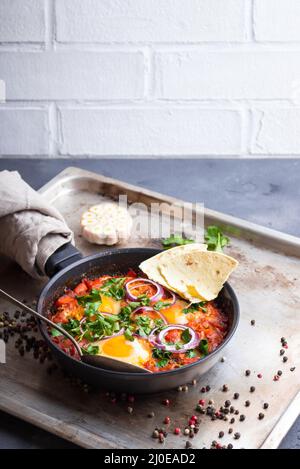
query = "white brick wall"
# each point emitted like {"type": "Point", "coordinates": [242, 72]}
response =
{"type": "Point", "coordinates": [150, 78]}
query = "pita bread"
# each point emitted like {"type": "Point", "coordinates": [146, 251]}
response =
{"type": "Point", "coordinates": [150, 266]}
{"type": "Point", "coordinates": [195, 274]}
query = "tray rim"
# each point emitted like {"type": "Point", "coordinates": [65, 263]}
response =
{"type": "Point", "coordinates": [82, 437]}
{"type": "Point", "coordinates": [254, 229]}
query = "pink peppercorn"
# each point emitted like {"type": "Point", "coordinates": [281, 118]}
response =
{"type": "Point", "coordinates": [202, 402]}
{"type": "Point", "coordinates": [130, 399]}
{"type": "Point", "coordinates": [166, 402]}
{"type": "Point", "coordinates": [259, 375]}
{"type": "Point", "coordinates": [177, 431]}
{"type": "Point", "coordinates": [167, 420]}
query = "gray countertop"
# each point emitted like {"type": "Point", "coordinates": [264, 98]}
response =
{"type": "Point", "coordinates": [263, 191]}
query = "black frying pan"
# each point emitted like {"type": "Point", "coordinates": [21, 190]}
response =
{"type": "Point", "coordinates": [66, 267]}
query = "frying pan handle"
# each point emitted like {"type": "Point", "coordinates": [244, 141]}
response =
{"type": "Point", "coordinates": [61, 258]}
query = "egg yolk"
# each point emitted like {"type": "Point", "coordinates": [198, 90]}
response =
{"type": "Point", "coordinates": [117, 347]}
{"type": "Point", "coordinates": [174, 314]}
{"type": "Point", "coordinates": [109, 305]}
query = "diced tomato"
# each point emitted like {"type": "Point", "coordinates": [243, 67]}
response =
{"type": "Point", "coordinates": [131, 273]}
{"type": "Point", "coordinates": [65, 300]}
{"type": "Point", "coordinates": [61, 317]}
{"type": "Point", "coordinates": [81, 289]}
{"type": "Point", "coordinates": [173, 336]}
{"type": "Point", "coordinates": [97, 282]}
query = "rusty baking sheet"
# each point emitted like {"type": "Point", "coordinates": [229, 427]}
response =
{"type": "Point", "coordinates": [268, 286]}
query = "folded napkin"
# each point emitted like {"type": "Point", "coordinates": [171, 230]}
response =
{"type": "Point", "coordinates": [30, 228]}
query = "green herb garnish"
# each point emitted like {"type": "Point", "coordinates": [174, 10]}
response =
{"type": "Point", "coordinates": [203, 347]}
{"type": "Point", "coordinates": [93, 296]}
{"type": "Point", "coordinates": [144, 300]}
{"type": "Point", "coordinates": [162, 357]}
{"type": "Point", "coordinates": [186, 336]}
{"type": "Point", "coordinates": [215, 239]}
{"type": "Point", "coordinates": [160, 305]}
{"type": "Point", "coordinates": [191, 354]}
{"type": "Point", "coordinates": [195, 307]}
{"type": "Point", "coordinates": [55, 333]}
{"type": "Point", "coordinates": [91, 350]}
{"type": "Point", "coordinates": [143, 325]}
{"type": "Point", "coordinates": [128, 334]}
{"type": "Point", "coordinates": [114, 287]}
{"type": "Point", "coordinates": [175, 240]}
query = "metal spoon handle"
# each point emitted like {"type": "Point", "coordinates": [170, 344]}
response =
{"type": "Point", "coordinates": [22, 306]}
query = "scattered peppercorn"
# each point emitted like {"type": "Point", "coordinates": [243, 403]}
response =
{"type": "Point", "coordinates": [266, 405]}
{"type": "Point", "coordinates": [227, 403]}
{"type": "Point", "coordinates": [230, 430]}
{"type": "Point", "coordinates": [161, 438]}
{"type": "Point", "coordinates": [129, 409]}
{"type": "Point", "coordinates": [261, 416]}
{"type": "Point", "coordinates": [225, 388]}
{"type": "Point", "coordinates": [151, 415]}
{"type": "Point", "coordinates": [242, 418]}
{"type": "Point", "coordinates": [232, 421]}
{"type": "Point", "coordinates": [167, 420]}
{"type": "Point", "coordinates": [188, 444]}
{"type": "Point", "coordinates": [259, 375]}
{"type": "Point", "coordinates": [194, 382]}
{"type": "Point", "coordinates": [247, 404]}
{"type": "Point", "coordinates": [292, 369]}
{"type": "Point", "coordinates": [236, 395]}
{"type": "Point", "coordinates": [253, 322]}
{"type": "Point", "coordinates": [185, 388]}
{"type": "Point", "coordinates": [166, 402]}
{"type": "Point", "coordinates": [252, 389]}
{"type": "Point", "coordinates": [230, 446]}
{"type": "Point", "coordinates": [155, 434]}
{"type": "Point", "coordinates": [177, 431]}
{"type": "Point", "coordinates": [207, 389]}
{"type": "Point", "coordinates": [179, 389]}
{"type": "Point", "coordinates": [221, 434]}
{"type": "Point", "coordinates": [279, 373]}
{"type": "Point", "coordinates": [285, 359]}
{"type": "Point", "coordinates": [247, 372]}
{"type": "Point", "coordinates": [276, 378]}
{"type": "Point", "coordinates": [237, 436]}
{"type": "Point", "coordinates": [282, 352]}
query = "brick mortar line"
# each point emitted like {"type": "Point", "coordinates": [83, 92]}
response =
{"type": "Point", "coordinates": [40, 46]}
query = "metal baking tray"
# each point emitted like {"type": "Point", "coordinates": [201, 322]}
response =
{"type": "Point", "coordinates": [268, 286]}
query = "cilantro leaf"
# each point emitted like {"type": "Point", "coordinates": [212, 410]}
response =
{"type": "Point", "coordinates": [186, 336]}
{"type": "Point", "coordinates": [203, 347]}
{"type": "Point", "coordinates": [195, 307]}
{"type": "Point", "coordinates": [175, 240]}
{"type": "Point", "coordinates": [215, 239]}
{"type": "Point", "coordinates": [162, 357]}
{"type": "Point", "coordinates": [191, 354]}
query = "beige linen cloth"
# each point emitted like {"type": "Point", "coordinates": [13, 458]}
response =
{"type": "Point", "coordinates": [30, 229]}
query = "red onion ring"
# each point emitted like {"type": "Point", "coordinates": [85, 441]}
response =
{"type": "Point", "coordinates": [157, 341]}
{"type": "Point", "coordinates": [156, 297]}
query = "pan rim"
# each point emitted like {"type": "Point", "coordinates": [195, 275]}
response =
{"type": "Point", "coordinates": [120, 374]}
